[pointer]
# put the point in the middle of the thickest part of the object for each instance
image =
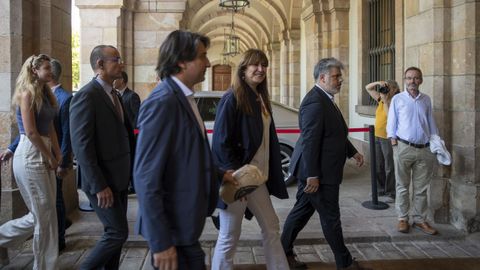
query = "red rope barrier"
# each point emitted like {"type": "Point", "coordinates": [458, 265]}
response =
{"type": "Point", "coordinates": [285, 130]}
{"type": "Point", "coordinates": [358, 130]}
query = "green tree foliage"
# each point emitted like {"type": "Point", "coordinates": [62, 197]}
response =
{"type": "Point", "coordinates": [75, 60]}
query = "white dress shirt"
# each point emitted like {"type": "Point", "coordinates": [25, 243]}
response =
{"type": "Point", "coordinates": [411, 118]}
{"type": "Point", "coordinates": [189, 95]}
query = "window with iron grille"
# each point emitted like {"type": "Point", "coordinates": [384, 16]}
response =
{"type": "Point", "coordinates": [381, 50]}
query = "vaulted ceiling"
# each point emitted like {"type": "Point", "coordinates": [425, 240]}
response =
{"type": "Point", "coordinates": [261, 23]}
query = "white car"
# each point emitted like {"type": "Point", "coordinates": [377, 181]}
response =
{"type": "Point", "coordinates": [286, 122]}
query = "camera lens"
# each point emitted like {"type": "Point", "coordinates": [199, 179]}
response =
{"type": "Point", "coordinates": [383, 90]}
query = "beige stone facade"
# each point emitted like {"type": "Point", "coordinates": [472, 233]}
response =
{"type": "Point", "coordinates": [28, 27]}
{"type": "Point", "coordinates": [440, 37]}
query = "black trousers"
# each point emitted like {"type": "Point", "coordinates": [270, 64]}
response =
{"type": "Point", "coordinates": [190, 257]}
{"type": "Point", "coordinates": [107, 251]}
{"type": "Point", "coordinates": [325, 202]}
{"type": "Point", "coordinates": [61, 216]}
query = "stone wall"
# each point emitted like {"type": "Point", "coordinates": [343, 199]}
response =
{"type": "Point", "coordinates": [27, 27]}
{"type": "Point", "coordinates": [442, 39]}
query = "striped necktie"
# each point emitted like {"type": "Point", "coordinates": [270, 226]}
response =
{"type": "Point", "coordinates": [116, 104]}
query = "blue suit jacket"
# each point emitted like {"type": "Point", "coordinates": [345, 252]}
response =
{"type": "Point", "coordinates": [61, 123]}
{"type": "Point", "coordinates": [174, 175]}
{"type": "Point", "coordinates": [237, 138]}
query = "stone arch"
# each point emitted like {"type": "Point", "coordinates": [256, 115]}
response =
{"type": "Point", "coordinates": [196, 10]}
{"type": "Point", "coordinates": [257, 25]}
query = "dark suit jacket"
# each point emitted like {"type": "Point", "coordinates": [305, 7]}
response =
{"type": "Point", "coordinates": [174, 175]}
{"type": "Point", "coordinates": [100, 141]}
{"type": "Point", "coordinates": [131, 103]}
{"type": "Point", "coordinates": [323, 146]}
{"type": "Point", "coordinates": [62, 125]}
{"type": "Point", "coordinates": [237, 138]}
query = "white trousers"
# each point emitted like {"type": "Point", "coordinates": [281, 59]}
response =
{"type": "Point", "coordinates": [231, 218]}
{"type": "Point", "coordinates": [37, 186]}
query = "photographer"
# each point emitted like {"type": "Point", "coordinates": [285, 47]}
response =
{"type": "Point", "coordinates": [382, 92]}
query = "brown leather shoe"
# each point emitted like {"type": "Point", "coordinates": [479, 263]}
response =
{"type": "Point", "coordinates": [425, 227]}
{"type": "Point", "coordinates": [294, 264]}
{"type": "Point", "coordinates": [403, 226]}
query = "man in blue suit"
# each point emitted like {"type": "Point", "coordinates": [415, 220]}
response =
{"type": "Point", "coordinates": [175, 178]}
{"type": "Point", "coordinates": [62, 127]}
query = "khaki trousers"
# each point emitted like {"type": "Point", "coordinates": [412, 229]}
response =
{"type": "Point", "coordinates": [413, 165]}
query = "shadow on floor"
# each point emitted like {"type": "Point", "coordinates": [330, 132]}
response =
{"type": "Point", "coordinates": [417, 264]}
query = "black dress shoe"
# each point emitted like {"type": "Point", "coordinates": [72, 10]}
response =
{"type": "Point", "coordinates": [294, 264]}
{"type": "Point", "coordinates": [68, 223]}
{"type": "Point", "coordinates": [61, 246]}
{"type": "Point", "coordinates": [216, 221]}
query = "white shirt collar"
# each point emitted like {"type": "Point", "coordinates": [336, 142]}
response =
{"type": "Point", "coordinates": [186, 91]}
{"type": "Point", "coordinates": [106, 87]}
{"type": "Point", "coordinates": [329, 95]}
{"type": "Point", "coordinates": [55, 87]}
{"type": "Point", "coordinates": [410, 96]}
{"type": "Point", "coordinates": [121, 91]}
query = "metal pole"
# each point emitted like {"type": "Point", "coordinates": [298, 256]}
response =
{"type": "Point", "coordinates": [374, 203]}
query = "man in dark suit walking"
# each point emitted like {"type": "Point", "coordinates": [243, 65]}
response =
{"type": "Point", "coordinates": [318, 161]}
{"type": "Point", "coordinates": [101, 141]}
{"type": "Point", "coordinates": [175, 178]}
{"type": "Point", "coordinates": [131, 104]}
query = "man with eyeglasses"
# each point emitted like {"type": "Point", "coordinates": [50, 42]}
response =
{"type": "Point", "coordinates": [409, 126]}
{"type": "Point", "coordinates": [102, 141]}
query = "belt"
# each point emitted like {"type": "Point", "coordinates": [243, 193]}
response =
{"type": "Point", "coordinates": [414, 144]}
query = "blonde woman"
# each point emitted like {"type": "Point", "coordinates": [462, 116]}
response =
{"type": "Point", "coordinates": [34, 163]}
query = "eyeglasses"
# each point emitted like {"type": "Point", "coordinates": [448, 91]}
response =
{"type": "Point", "coordinates": [117, 59]}
{"type": "Point", "coordinates": [336, 76]}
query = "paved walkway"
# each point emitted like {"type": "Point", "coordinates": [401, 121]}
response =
{"type": "Point", "coordinates": [371, 236]}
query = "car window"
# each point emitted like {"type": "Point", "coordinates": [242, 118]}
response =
{"type": "Point", "coordinates": [207, 107]}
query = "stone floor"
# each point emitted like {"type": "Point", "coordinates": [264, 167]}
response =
{"type": "Point", "coordinates": [436, 254]}
{"type": "Point", "coordinates": [370, 234]}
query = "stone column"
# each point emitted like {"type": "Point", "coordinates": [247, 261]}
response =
{"type": "Point", "coordinates": [284, 68]}
{"type": "Point", "coordinates": [26, 28]}
{"type": "Point", "coordinates": [275, 69]}
{"type": "Point", "coordinates": [294, 68]}
{"type": "Point", "coordinates": [100, 23]}
{"type": "Point", "coordinates": [268, 52]}
{"type": "Point", "coordinates": [152, 25]}
{"type": "Point", "coordinates": [312, 46]}
{"type": "Point", "coordinates": [332, 22]}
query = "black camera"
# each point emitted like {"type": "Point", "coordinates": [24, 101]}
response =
{"type": "Point", "coordinates": [383, 89]}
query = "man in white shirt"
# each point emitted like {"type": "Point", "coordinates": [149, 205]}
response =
{"type": "Point", "coordinates": [409, 127]}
